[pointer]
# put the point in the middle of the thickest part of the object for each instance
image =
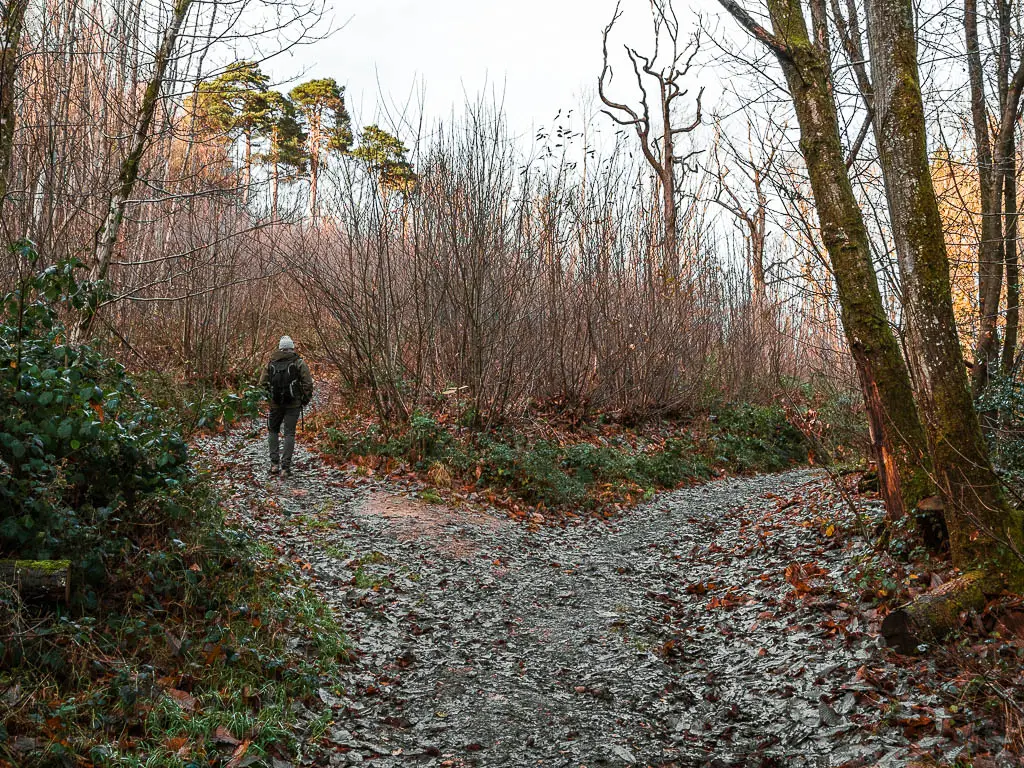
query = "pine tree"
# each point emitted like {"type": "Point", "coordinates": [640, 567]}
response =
{"type": "Point", "coordinates": [321, 105]}
{"type": "Point", "coordinates": [385, 156]}
{"type": "Point", "coordinates": [286, 143]}
{"type": "Point", "coordinates": [235, 104]}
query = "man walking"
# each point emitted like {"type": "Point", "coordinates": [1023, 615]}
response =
{"type": "Point", "coordinates": [289, 386]}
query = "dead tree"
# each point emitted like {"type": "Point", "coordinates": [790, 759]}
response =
{"type": "Point", "coordinates": [658, 142]}
{"type": "Point", "coordinates": [751, 215]}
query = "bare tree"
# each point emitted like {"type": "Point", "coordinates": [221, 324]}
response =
{"type": "Point", "coordinates": [658, 142]}
{"type": "Point", "coordinates": [751, 211]}
{"type": "Point", "coordinates": [106, 235]}
{"type": "Point", "coordinates": [995, 144]}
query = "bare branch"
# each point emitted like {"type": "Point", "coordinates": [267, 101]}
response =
{"type": "Point", "coordinates": [755, 30]}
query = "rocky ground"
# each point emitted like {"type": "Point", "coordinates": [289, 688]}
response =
{"type": "Point", "coordinates": [715, 625]}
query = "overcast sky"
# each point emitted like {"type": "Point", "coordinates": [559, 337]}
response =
{"type": "Point", "coordinates": [539, 55]}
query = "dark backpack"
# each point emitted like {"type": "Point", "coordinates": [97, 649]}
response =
{"type": "Point", "coordinates": [283, 380]}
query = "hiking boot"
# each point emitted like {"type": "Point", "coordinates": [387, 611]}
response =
{"type": "Point", "coordinates": [287, 471]}
{"type": "Point", "coordinates": [275, 469]}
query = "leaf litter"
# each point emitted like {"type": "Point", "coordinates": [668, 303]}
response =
{"type": "Point", "coordinates": [718, 625]}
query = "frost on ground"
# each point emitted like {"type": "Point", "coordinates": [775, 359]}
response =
{"type": "Point", "coordinates": [712, 626]}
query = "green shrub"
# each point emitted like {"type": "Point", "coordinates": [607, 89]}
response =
{"type": "Point", "coordinates": [427, 439]}
{"type": "Point", "coordinates": [585, 475]}
{"type": "Point", "coordinates": [599, 463]}
{"type": "Point", "coordinates": [81, 453]}
{"type": "Point", "coordinates": [679, 460]}
{"type": "Point", "coordinates": [194, 405]}
{"type": "Point", "coordinates": [750, 438]}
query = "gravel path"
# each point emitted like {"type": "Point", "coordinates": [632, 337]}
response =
{"type": "Point", "coordinates": [669, 637]}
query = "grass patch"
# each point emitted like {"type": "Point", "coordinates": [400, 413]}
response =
{"type": "Point", "coordinates": [312, 522]}
{"type": "Point", "coordinates": [337, 552]}
{"type": "Point", "coordinates": [364, 580]}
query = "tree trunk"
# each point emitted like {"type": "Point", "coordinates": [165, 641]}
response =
{"type": "Point", "coordinates": [897, 432]}
{"type": "Point", "coordinates": [12, 21]}
{"type": "Point", "coordinates": [757, 235]}
{"type": "Point", "coordinates": [983, 530]}
{"type": "Point", "coordinates": [314, 173]}
{"type": "Point", "coordinates": [670, 261]}
{"type": "Point", "coordinates": [990, 257]}
{"type": "Point", "coordinates": [106, 235]}
{"type": "Point", "coordinates": [1007, 107]}
{"type": "Point", "coordinates": [1012, 267]}
{"type": "Point", "coordinates": [314, 143]}
{"type": "Point", "coordinates": [248, 166]}
{"type": "Point", "coordinates": [274, 181]}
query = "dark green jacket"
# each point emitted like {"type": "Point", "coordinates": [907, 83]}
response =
{"type": "Point", "coordinates": [305, 379]}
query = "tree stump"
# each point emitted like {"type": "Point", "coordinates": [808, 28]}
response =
{"type": "Point", "coordinates": [48, 579]}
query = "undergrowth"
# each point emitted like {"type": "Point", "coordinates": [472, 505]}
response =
{"type": "Point", "coordinates": [184, 643]}
{"type": "Point", "coordinates": [197, 404]}
{"type": "Point", "coordinates": [590, 470]}
{"type": "Point", "coordinates": [200, 662]}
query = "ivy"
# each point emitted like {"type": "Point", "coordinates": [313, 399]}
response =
{"type": "Point", "coordinates": [84, 459]}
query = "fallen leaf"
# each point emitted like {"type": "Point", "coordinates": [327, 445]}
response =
{"type": "Point", "coordinates": [239, 753]}
{"type": "Point", "coordinates": [186, 701]}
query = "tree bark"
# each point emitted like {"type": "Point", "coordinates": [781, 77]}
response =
{"type": "Point", "coordinates": [12, 21]}
{"type": "Point", "coordinates": [314, 140]}
{"type": "Point", "coordinates": [896, 431]}
{"type": "Point", "coordinates": [274, 181]}
{"type": "Point", "coordinates": [757, 237]}
{"type": "Point", "coordinates": [984, 531]}
{"type": "Point", "coordinates": [1012, 268]}
{"type": "Point", "coordinates": [246, 195]}
{"type": "Point", "coordinates": [1009, 189]}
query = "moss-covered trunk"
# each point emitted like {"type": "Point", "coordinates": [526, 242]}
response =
{"type": "Point", "coordinates": [983, 529]}
{"type": "Point", "coordinates": [897, 433]}
{"type": "Point", "coordinates": [932, 616]}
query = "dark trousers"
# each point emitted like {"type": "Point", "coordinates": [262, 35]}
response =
{"type": "Point", "coordinates": [279, 418]}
